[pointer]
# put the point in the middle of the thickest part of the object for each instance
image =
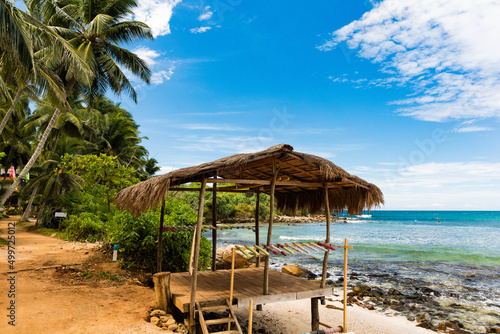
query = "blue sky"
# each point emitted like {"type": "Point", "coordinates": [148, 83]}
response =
{"type": "Point", "coordinates": [403, 94]}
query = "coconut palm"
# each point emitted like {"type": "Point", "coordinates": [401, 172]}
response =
{"type": "Point", "coordinates": [24, 44]}
{"type": "Point", "coordinates": [94, 28]}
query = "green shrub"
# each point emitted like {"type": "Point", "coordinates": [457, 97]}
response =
{"type": "Point", "coordinates": [85, 226]}
{"type": "Point", "coordinates": [137, 238]}
{"type": "Point", "coordinates": [243, 211]}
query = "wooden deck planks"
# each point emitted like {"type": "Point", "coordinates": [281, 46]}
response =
{"type": "Point", "coordinates": [214, 285]}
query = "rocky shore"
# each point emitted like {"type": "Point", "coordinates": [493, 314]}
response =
{"type": "Point", "coordinates": [418, 303]}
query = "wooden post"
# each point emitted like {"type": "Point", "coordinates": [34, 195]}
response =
{"type": "Point", "coordinates": [232, 276]}
{"type": "Point", "coordinates": [159, 255]}
{"type": "Point", "coordinates": [270, 227]}
{"type": "Point", "coordinates": [250, 316]}
{"type": "Point", "coordinates": [162, 291]}
{"type": "Point", "coordinates": [345, 286]}
{"type": "Point", "coordinates": [214, 224]}
{"type": "Point", "coordinates": [195, 255]}
{"type": "Point", "coordinates": [231, 288]}
{"type": "Point", "coordinates": [327, 241]}
{"type": "Point", "coordinates": [314, 314]}
{"type": "Point", "coordinates": [257, 226]}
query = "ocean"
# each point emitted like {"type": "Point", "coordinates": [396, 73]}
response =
{"type": "Point", "coordinates": [454, 252]}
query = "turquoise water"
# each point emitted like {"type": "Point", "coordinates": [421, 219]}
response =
{"type": "Point", "coordinates": [458, 237]}
{"type": "Point", "coordinates": [452, 251]}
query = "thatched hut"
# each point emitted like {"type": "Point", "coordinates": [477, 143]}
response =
{"type": "Point", "coordinates": [294, 180]}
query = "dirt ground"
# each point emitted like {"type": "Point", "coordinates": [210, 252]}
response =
{"type": "Point", "coordinates": [86, 295]}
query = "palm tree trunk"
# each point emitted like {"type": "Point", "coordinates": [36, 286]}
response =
{"type": "Point", "coordinates": [33, 158]}
{"type": "Point", "coordinates": [11, 109]}
{"type": "Point", "coordinates": [27, 211]}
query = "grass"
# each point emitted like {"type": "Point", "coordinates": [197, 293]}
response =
{"type": "Point", "coordinates": [3, 242]}
{"type": "Point", "coordinates": [49, 231]}
{"type": "Point", "coordinates": [104, 275]}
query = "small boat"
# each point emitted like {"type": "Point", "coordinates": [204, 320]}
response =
{"type": "Point", "coordinates": [363, 216]}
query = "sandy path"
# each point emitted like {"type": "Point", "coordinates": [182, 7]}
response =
{"type": "Point", "coordinates": [48, 302]}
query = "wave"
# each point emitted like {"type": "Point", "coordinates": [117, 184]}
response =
{"type": "Point", "coordinates": [306, 237]}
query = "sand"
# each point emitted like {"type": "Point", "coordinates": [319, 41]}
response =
{"type": "Point", "coordinates": [295, 317]}
{"type": "Point", "coordinates": [50, 302]}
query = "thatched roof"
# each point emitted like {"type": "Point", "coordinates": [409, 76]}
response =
{"type": "Point", "coordinates": [301, 181]}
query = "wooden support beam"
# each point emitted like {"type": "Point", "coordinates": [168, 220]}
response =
{"type": "Point", "coordinates": [327, 241]}
{"type": "Point", "coordinates": [257, 223]}
{"type": "Point", "coordinates": [270, 227]}
{"type": "Point", "coordinates": [214, 224]}
{"type": "Point", "coordinates": [314, 314]}
{"type": "Point", "coordinates": [159, 255]}
{"type": "Point", "coordinates": [195, 255]}
{"type": "Point", "coordinates": [250, 316]}
{"type": "Point", "coordinates": [345, 285]}
{"type": "Point", "coordinates": [220, 190]}
{"type": "Point", "coordinates": [162, 291]}
{"type": "Point", "coordinates": [266, 182]}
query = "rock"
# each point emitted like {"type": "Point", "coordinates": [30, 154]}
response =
{"type": "Point", "coordinates": [225, 253]}
{"type": "Point", "coordinates": [361, 289]}
{"type": "Point", "coordinates": [158, 313]}
{"type": "Point", "coordinates": [431, 292]}
{"type": "Point", "coordinates": [444, 325]}
{"type": "Point", "coordinates": [493, 329]}
{"type": "Point", "coordinates": [426, 317]}
{"type": "Point", "coordinates": [173, 327]}
{"type": "Point", "coordinates": [170, 322]}
{"type": "Point", "coordinates": [294, 270]}
{"type": "Point", "coordinates": [411, 318]}
{"type": "Point", "coordinates": [155, 321]}
{"type": "Point", "coordinates": [394, 292]}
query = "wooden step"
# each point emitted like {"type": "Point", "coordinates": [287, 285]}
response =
{"type": "Point", "coordinates": [227, 332]}
{"type": "Point", "coordinates": [214, 308]}
{"type": "Point", "coordinates": [219, 321]}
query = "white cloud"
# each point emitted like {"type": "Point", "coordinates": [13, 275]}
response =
{"type": "Point", "coordinates": [156, 14]}
{"type": "Point", "coordinates": [224, 144]}
{"type": "Point", "coordinates": [157, 78]}
{"type": "Point", "coordinates": [200, 30]}
{"type": "Point", "coordinates": [147, 54]}
{"type": "Point", "coordinates": [214, 127]}
{"type": "Point", "coordinates": [445, 49]}
{"type": "Point", "coordinates": [451, 185]}
{"type": "Point", "coordinates": [470, 126]}
{"type": "Point", "coordinates": [207, 15]}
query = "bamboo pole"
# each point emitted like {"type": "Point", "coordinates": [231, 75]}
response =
{"type": "Point", "coordinates": [257, 223]}
{"type": "Point", "coordinates": [250, 316]}
{"type": "Point", "coordinates": [345, 286]}
{"type": "Point", "coordinates": [327, 241]}
{"type": "Point", "coordinates": [214, 224]}
{"type": "Point", "coordinates": [270, 228]}
{"type": "Point", "coordinates": [195, 255]}
{"type": "Point", "coordinates": [160, 238]}
{"type": "Point", "coordinates": [232, 284]}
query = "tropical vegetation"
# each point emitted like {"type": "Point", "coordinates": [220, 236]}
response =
{"type": "Point", "coordinates": [73, 147]}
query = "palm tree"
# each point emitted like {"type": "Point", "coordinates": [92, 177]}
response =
{"type": "Point", "coordinates": [94, 28]}
{"type": "Point", "coordinates": [21, 38]}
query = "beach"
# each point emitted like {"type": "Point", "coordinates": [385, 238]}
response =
{"type": "Point", "coordinates": [57, 301]}
{"type": "Point", "coordinates": [294, 317]}
{"type": "Point", "coordinates": [444, 263]}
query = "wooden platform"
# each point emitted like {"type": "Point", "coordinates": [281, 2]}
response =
{"type": "Point", "coordinates": [214, 286]}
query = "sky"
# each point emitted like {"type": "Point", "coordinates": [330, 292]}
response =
{"type": "Point", "coordinates": [404, 94]}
